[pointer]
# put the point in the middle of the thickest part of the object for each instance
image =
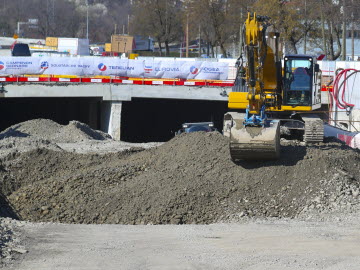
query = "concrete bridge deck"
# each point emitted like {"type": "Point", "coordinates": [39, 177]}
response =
{"type": "Point", "coordinates": [108, 98]}
{"type": "Point", "coordinates": [115, 92]}
{"type": "Point", "coordinates": [111, 94]}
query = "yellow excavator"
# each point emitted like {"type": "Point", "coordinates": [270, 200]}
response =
{"type": "Point", "coordinates": [273, 95]}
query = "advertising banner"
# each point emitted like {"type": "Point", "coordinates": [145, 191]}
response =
{"type": "Point", "coordinates": [151, 68]}
{"type": "Point", "coordinates": [213, 71]}
{"type": "Point", "coordinates": [135, 68]}
{"type": "Point", "coordinates": [65, 66]}
{"type": "Point", "coordinates": [110, 66]}
{"type": "Point", "coordinates": [86, 66]}
{"type": "Point", "coordinates": [19, 65]}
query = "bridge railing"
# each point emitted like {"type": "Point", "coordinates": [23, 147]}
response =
{"type": "Point", "coordinates": [113, 80]}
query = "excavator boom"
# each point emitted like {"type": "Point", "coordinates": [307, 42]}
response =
{"type": "Point", "coordinates": [252, 135]}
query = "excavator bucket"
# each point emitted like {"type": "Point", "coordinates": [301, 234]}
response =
{"type": "Point", "coordinates": [252, 143]}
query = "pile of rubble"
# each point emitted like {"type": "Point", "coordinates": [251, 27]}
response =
{"type": "Point", "coordinates": [189, 179]}
{"type": "Point", "coordinates": [45, 129]}
{"type": "Point", "coordinates": [44, 133]}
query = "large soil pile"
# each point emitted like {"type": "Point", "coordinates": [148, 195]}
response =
{"type": "Point", "coordinates": [46, 129]}
{"type": "Point", "coordinates": [45, 133]}
{"type": "Point", "coordinates": [189, 179]}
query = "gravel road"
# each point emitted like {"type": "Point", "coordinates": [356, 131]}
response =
{"type": "Point", "coordinates": [250, 245]}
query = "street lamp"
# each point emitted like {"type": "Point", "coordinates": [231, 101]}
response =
{"type": "Point", "coordinates": [87, 19]}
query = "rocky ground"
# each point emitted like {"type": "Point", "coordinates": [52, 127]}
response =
{"type": "Point", "coordinates": [10, 240]}
{"type": "Point", "coordinates": [192, 176]}
{"type": "Point", "coordinates": [54, 173]}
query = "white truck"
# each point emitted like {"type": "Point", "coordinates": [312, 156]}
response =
{"type": "Point", "coordinates": [74, 46]}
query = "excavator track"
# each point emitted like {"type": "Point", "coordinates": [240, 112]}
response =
{"type": "Point", "coordinates": [251, 143]}
{"type": "Point", "coordinates": [314, 129]}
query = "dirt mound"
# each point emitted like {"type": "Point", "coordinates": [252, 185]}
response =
{"type": "Point", "coordinates": [189, 179]}
{"type": "Point", "coordinates": [41, 128]}
{"type": "Point", "coordinates": [46, 129]}
{"type": "Point", "coordinates": [13, 145]}
{"type": "Point", "coordinates": [76, 132]}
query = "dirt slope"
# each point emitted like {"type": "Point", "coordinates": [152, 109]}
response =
{"type": "Point", "coordinates": [189, 179]}
{"type": "Point", "coordinates": [47, 129]}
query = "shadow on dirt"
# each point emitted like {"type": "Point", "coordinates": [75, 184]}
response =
{"type": "Point", "coordinates": [12, 132]}
{"type": "Point", "coordinates": [6, 210]}
{"type": "Point", "coordinates": [289, 156]}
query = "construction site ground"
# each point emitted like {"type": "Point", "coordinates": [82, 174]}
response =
{"type": "Point", "coordinates": [72, 196]}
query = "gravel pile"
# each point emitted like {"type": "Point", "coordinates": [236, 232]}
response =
{"type": "Point", "coordinates": [76, 132]}
{"type": "Point", "coordinates": [44, 129]}
{"type": "Point", "coordinates": [48, 130]}
{"type": "Point", "coordinates": [12, 145]}
{"type": "Point", "coordinates": [189, 179]}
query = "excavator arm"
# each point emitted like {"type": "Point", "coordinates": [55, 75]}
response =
{"type": "Point", "coordinates": [252, 135]}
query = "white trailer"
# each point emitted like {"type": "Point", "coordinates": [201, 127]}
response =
{"type": "Point", "coordinates": [74, 46]}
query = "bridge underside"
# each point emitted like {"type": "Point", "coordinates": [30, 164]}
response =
{"type": "Point", "coordinates": [61, 110]}
{"type": "Point", "coordinates": [138, 120]}
{"type": "Point", "coordinates": [146, 120]}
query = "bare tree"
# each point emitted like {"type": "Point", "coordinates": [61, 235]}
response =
{"type": "Point", "coordinates": [304, 22]}
{"type": "Point", "coordinates": [285, 17]}
{"type": "Point", "coordinates": [331, 29]}
{"type": "Point", "coordinates": [218, 20]}
{"type": "Point", "coordinates": [160, 19]}
{"type": "Point", "coordinates": [64, 18]}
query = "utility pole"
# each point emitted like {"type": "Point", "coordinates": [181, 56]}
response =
{"type": "Point", "coordinates": [53, 12]}
{"type": "Point", "coordinates": [199, 40]}
{"type": "Point", "coordinates": [166, 27]}
{"type": "Point", "coordinates": [50, 24]}
{"type": "Point", "coordinates": [343, 57]}
{"type": "Point", "coordinates": [181, 46]}
{"type": "Point", "coordinates": [305, 32]}
{"type": "Point", "coordinates": [128, 26]}
{"type": "Point", "coordinates": [323, 32]}
{"type": "Point", "coordinates": [48, 19]}
{"type": "Point", "coordinates": [187, 35]}
{"type": "Point", "coordinates": [352, 31]}
{"type": "Point", "coordinates": [87, 19]}
{"type": "Point", "coordinates": [241, 32]}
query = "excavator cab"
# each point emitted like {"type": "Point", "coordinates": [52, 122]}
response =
{"type": "Point", "coordinates": [300, 80]}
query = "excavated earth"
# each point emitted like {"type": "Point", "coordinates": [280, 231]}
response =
{"type": "Point", "coordinates": [189, 179]}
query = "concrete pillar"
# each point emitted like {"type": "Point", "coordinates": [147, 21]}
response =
{"type": "Point", "coordinates": [111, 118]}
